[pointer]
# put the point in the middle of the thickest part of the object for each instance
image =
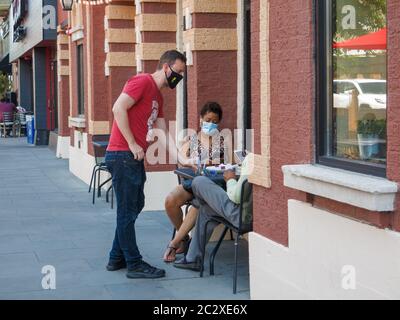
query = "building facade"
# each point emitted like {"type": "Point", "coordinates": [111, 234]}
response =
{"type": "Point", "coordinates": [32, 51]}
{"type": "Point", "coordinates": [316, 81]}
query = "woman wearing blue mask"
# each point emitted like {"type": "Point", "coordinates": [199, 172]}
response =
{"type": "Point", "coordinates": [209, 147]}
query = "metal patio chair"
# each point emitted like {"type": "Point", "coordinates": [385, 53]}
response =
{"type": "Point", "coordinates": [100, 165]}
{"type": "Point", "coordinates": [20, 122]}
{"type": "Point", "coordinates": [245, 226]}
{"type": "Point", "coordinates": [8, 123]}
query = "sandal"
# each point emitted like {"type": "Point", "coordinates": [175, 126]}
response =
{"type": "Point", "coordinates": [184, 247]}
{"type": "Point", "coordinates": [171, 251]}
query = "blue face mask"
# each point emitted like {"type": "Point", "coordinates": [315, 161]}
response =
{"type": "Point", "coordinates": [209, 128]}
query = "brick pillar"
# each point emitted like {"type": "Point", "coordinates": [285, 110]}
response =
{"type": "Point", "coordinates": [63, 83]}
{"type": "Point", "coordinates": [210, 40]}
{"type": "Point", "coordinates": [155, 34]}
{"type": "Point", "coordinates": [97, 83]}
{"type": "Point", "coordinates": [120, 63]}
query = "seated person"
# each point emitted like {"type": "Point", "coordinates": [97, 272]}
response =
{"type": "Point", "coordinates": [210, 145]}
{"type": "Point", "coordinates": [6, 106]}
{"type": "Point", "coordinates": [211, 200]}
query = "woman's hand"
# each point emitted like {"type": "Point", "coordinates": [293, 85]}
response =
{"type": "Point", "coordinates": [229, 175]}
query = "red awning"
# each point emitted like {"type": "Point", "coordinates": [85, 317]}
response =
{"type": "Point", "coordinates": [371, 41]}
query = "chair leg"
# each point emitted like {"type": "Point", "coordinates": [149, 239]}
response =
{"type": "Point", "coordinates": [112, 197]}
{"type": "Point", "coordinates": [107, 194]}
{"type": "Point", "coordinates": [214, 252]}
{"type": "Point", "coordinates": [98, 183]}
{"type": "Point", "coordinates": [203, 251]}
{"type": "Point", "coordinates": [231, 232]}
{"type": "Point", "coordinates": [94, 186]}
{"type": "Point", "coordinates": [110, 189]}
{"type": "Point", "coordinates": [236, 262]}
{"type": "Point", "coordinates": [91, 179]}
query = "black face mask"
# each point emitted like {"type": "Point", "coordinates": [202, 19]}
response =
{"type": "Point", "coordinates": [173, 79]}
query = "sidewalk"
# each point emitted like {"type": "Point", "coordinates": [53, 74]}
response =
{"type": "Point", "coordinates": [46, 218]}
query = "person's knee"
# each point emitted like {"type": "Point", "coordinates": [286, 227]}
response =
{"type": "Point", "coordinates": [199, 182]}
{"type": "Point", "coordinates": [170, 202]}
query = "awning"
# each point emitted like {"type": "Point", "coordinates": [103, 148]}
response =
{"type": "Point", "coordinates": [371, 41]}
{"type": "Point", "coordinates": [5, 65]}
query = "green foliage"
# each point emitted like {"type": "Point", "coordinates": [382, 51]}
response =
{"type": "Point", "coordinates": [370, 17]}
{"type": "Point", "coordinates": [372, 127]}
{"type": "Point", "coordinates": [5, 84]}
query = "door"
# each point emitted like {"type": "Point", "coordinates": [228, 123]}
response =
{"type": "Point", "coordinates": [53, 97]}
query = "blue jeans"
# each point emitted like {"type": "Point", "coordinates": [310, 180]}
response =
{"type": "Point", "coordinates": [128, 178]}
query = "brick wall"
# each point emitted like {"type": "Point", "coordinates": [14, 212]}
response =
{"type": "Point", "coordinates": [255, 73]}
{"type": "Point", "coordinates": [292, 101]}
{"type": "Point", "coordinates": [213, 74]}
{"type": "Point", "coordinates": [393, 156]}
{"type": "Point", "coordinates": [292, 115]}
{"type": "Point", "coordinates": [157, 26]}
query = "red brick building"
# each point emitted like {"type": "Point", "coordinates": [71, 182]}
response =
{"type": "Point", "coordinates": [316, 80]}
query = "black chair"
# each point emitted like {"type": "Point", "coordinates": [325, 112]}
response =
{"type": "Point", "coordinates": [21, 122]}
{"type": "Point", "coordinates": [100, 165]}
{"type": "Point", "coordinates": [110, 189]}
{"type": "Point", "coordinates": [245, 226]}
{"type": "Point", "coordinates": [187, 204]}
{"type": "Point", "coordinates": [8, 123]}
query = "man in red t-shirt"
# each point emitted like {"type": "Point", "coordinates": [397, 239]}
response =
{"type": "Point", "coordinates": [137, 111]}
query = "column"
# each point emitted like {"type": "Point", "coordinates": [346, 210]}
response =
{"type": "Point", "coordinates": [40, 96]}
{"type": "Point", "coordinates": [210, 41]}
{"type": "Point", "coordinates": [155, 34]}
{"type": "Point", "coordinates": [120, 62]}
{"type": "Point", "coordinates": [63, 83]}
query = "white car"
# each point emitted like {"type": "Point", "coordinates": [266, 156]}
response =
{"type": "Point", "coordinates": [371, 93]}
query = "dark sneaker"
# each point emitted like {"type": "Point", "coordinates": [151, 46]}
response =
{"type": "Point", "coordinates": [115, 266]}
{"type": "Point", "coordinates": [146, 271]}
{"type": "Point", "coordinates": [184, 264]}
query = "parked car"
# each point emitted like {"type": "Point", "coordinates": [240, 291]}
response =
{"type": "Point", "coordinates": [371, 93]}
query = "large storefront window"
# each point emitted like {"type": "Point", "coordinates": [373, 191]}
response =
{"type": "Point", "coordinates": [352, 85]}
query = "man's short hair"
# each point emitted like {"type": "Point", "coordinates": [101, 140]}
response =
{"type": "Point", "coordinates": [170, 57]}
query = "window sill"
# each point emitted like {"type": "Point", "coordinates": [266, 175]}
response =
{"type": "Point", "coordinates": [359, 190]}
{"type": "Point", "coordinates": [77, 33]}
{"type": "Point", "coordinates": [77, 122]}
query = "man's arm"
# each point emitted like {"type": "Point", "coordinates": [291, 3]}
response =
{"type": "Point", "coordinates": [120, 110]}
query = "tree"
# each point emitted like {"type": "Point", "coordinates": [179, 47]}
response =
{"type": "Point", "coordinates": [5, 84]}
{"type": "Point", "coordinates": [369, 15]}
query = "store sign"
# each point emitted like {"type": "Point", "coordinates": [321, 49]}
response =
{"type": "Point", "coordinates": [19, 9]}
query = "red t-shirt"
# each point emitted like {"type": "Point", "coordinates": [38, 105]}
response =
{"type": "Point", "coordinates": [142, 116]}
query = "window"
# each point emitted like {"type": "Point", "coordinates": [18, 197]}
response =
{"type": "Point", "coordinates": [247, 112]}
{"type": "Point", "coordinates": [80, 80]}
{"type": "Point", "coordinates": [351, 85]}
